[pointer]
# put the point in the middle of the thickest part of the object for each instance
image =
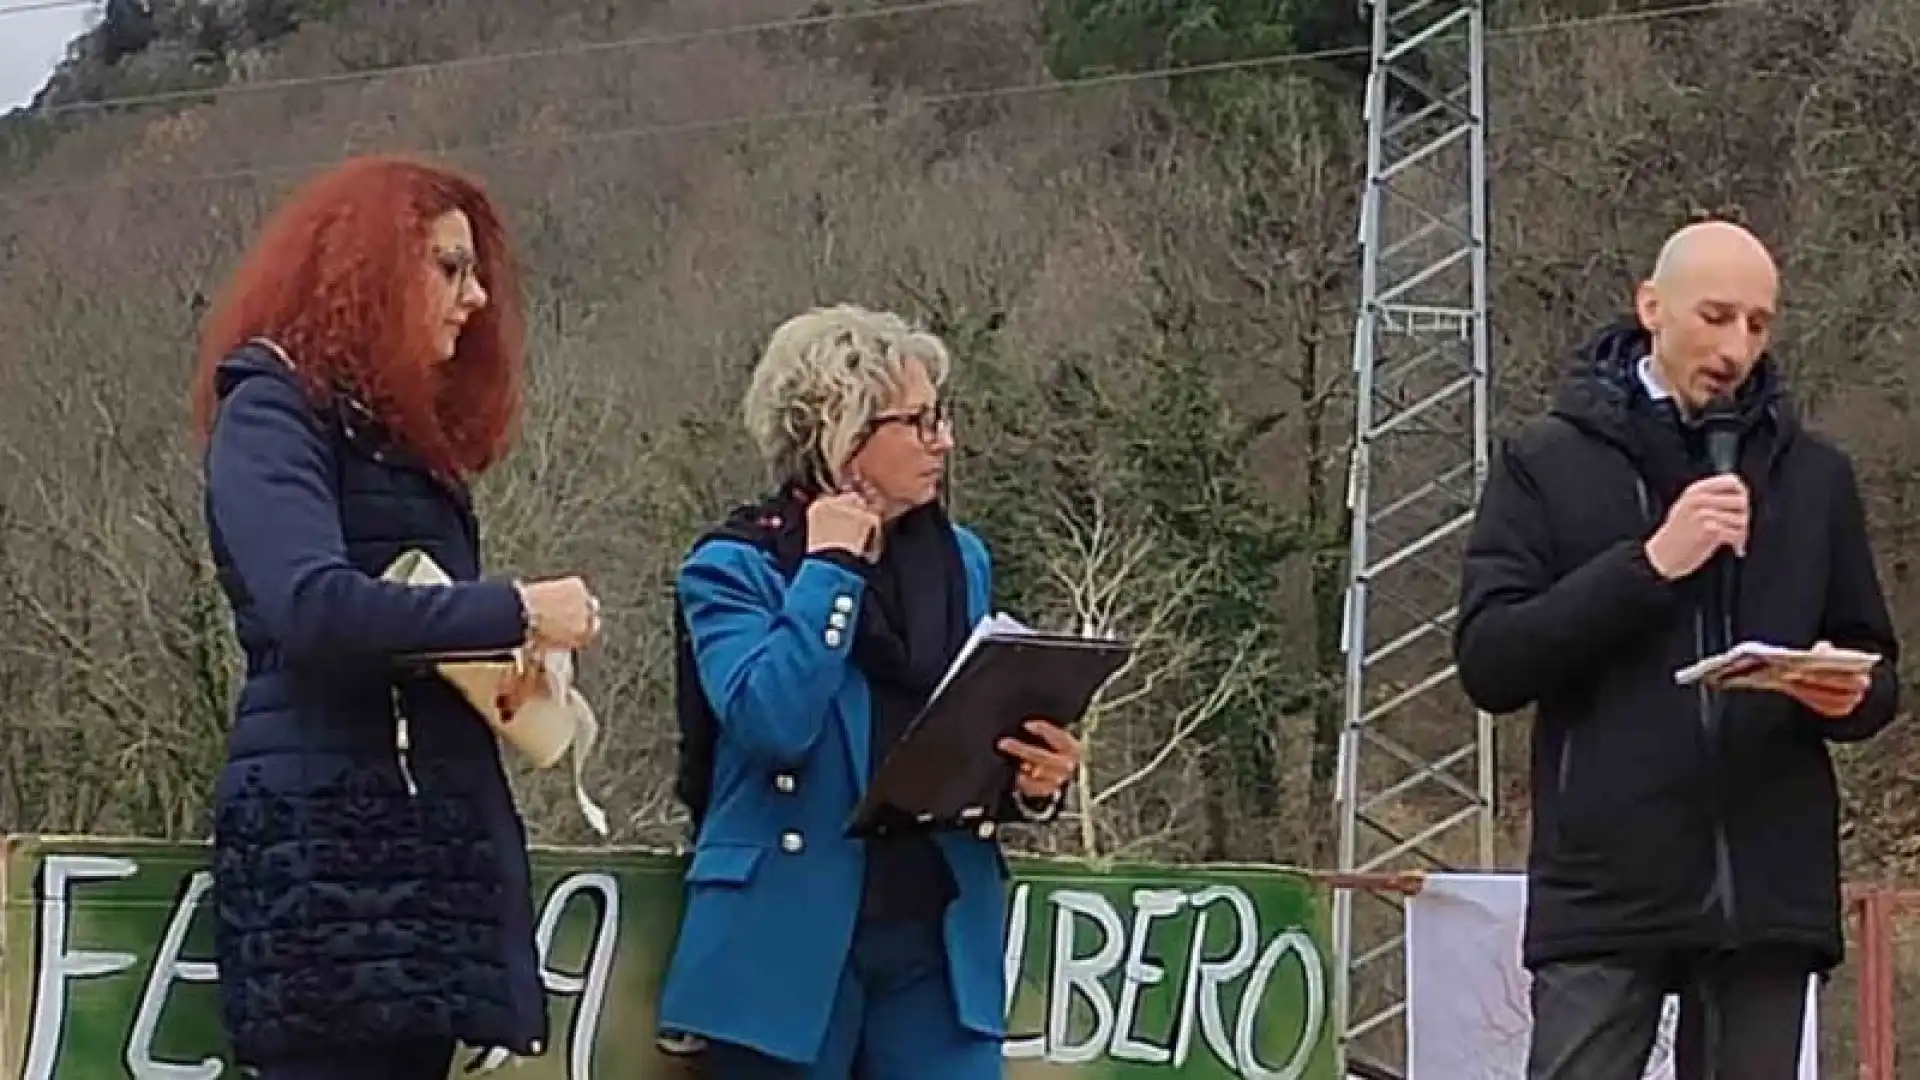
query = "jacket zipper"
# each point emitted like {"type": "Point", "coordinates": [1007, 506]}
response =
{"type": "Point", "coordinates": [403, 741]}
{"type": "Point", "coordinates": [1710, 724]}
{"type": "Point", "coordinates": [1710, 728]}
{"type": "Point", "coordinates": [1566, 759]}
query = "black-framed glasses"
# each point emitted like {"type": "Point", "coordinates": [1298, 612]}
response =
{"type": "Point", "coordinates": [929, 422]}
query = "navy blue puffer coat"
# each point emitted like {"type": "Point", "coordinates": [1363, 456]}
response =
{"type": "Point", "coordinates": [370, 870]}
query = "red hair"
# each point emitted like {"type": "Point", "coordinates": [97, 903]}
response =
{"type": "Point", "coordinates": [337, 278]}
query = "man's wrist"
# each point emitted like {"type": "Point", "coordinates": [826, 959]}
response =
{"type": "Point", "coordinates": [1653, 562]}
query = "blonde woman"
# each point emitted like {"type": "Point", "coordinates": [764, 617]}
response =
{"type": "Point", "coordinates": [819, 622]}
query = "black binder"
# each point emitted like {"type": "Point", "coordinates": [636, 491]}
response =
{"type": "Point", "coordinates": [947, 771]}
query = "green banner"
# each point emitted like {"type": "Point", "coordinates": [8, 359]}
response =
{"type": "Point", "coordinates": [1125, 971]}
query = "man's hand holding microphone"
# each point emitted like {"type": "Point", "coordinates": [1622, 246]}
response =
{"type": "Point", "coordinates": [1709, 515]}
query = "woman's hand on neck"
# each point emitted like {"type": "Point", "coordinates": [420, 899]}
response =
{"type": "Point", "coordinates": [887, 510]}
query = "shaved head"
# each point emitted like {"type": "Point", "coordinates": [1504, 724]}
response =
{"type": "Point", "coordinates": [1709, 306]}
{"type": "Point", "coordinates": [1706, 247]}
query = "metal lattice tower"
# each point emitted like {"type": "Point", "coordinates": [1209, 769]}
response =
{"type": "Point", "coordinates": [1415, 789]}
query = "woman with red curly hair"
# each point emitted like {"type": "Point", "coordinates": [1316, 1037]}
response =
{"type": "Point", "coordinates": [371, 889]}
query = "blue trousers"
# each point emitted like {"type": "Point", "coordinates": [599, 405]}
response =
{"type": "Point", "coordinates": [893, 1019]}
{"type": "Point", "coordinates": [413, 1061]}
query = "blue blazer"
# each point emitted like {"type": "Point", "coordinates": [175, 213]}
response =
{"type": "Point", "coordinates": [774, 886]}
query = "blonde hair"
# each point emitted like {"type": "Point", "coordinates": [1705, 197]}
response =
{"type": "Point", "coordinates": [823, 377]}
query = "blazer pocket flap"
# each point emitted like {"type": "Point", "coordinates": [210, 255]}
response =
{"type": "Point", "coordinates": [724, 864]}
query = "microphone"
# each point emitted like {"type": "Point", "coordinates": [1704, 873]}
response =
{"type": "Point", "coordinates": [1720, 429]}
{"type": "Point", "coordinates": [1720, 423]}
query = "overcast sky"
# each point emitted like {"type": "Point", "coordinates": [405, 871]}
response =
{"type": "Point", "coordinates": [31, 43]}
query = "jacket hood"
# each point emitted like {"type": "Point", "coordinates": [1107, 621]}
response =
{"type": "Point", "coordinates": [1596, 394]}
{"type": "Point", "coordinates": [249, 361]}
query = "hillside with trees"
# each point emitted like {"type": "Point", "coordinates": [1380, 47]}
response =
{"type": "Point", "coordinates": [1149, 282]}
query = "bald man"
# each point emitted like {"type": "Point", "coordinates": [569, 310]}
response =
{"type": "Point", "coordinates": [1684, 839]}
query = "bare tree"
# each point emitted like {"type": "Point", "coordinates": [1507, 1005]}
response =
{"type": "Point", "coordinates": [1105, 577]}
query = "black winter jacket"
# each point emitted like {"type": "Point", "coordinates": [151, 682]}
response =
{"type": "Point", "coordinates": [1668, 817]}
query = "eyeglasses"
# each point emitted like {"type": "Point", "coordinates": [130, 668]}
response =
{"type": "Point", "coordinates": [457, 266]}
{"type": "Point", "coordinates": [929, 422]}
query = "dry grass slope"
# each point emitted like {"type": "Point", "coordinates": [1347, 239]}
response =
{"type": "Point", "coordinates": [1075, 240]}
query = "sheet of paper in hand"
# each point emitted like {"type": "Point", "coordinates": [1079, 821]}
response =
{"type": "Point", "coordinates": [544, 727]}
{"type": "Point", "coordinates": [1752, 665]}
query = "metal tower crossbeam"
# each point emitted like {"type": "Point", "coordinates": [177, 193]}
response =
{"type": "Point", "coordinates": [1415, 784]}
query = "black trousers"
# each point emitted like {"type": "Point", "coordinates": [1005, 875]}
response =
{"type": "Point", "coordinates": [1740, 1016]}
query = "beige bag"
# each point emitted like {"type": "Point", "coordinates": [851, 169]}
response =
{"type": "Point", "coordinates": [546, 726]}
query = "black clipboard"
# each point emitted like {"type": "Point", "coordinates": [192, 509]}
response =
{"type": "Point", "coordinates": [947, 771]}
